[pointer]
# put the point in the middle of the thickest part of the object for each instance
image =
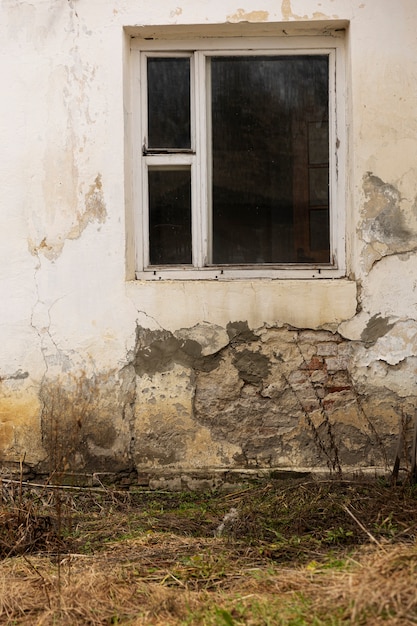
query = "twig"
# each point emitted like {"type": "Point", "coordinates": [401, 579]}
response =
{"type": "Point", "coordinates": [20, 488]}
{"type": "Point", "coordinates": [365, 530]}
{"type": "Point", "coordinates": [413, 472]}
{"type": "Point", "coordinates": [171, 575]}
{"type": "Point", "coordinates": [10, 481]}
{"type": "Point", "coordinates": [396, 468]}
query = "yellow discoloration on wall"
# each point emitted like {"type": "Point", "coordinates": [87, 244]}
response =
{"type": "Point", "coordinates": [317, 15]}
{"type": "Point", "coordinates": [205, 452]}
{"type": "Point", "coordinates": [248, 16]}
{"type": "Point", "coordinates": [95, 209]}
{"type": "Point", "coordinates": [20, 433]}
{"type": "Point", "coordinates": [85, 420]}
{"type": "Point", "coordinates": [166, 433]}
{"type": "Point", "coordinates": [288, 14]}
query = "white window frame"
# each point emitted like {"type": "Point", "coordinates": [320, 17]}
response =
{"type": "Point", "coordinates": [198, 158]}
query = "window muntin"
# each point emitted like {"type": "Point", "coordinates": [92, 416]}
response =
{"type": "Point", "coordinates": [275, 242]}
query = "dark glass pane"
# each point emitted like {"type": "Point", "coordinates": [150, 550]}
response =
{"type": "Point", "coordinates": [262, 107]}
{"type": "Point", "coordinates": [170, 216]}
{"type": "Point", "coordinates": [318, 143]}
{"type": "Point", "coordinates": [319, 229]}
{"type": "Point", "coordinates": [319, 186]}
{"type": "Point", "coordinates": [169, 103]}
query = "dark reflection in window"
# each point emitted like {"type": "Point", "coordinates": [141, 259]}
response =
{"type": "Point", "coordinates": [170, 216]}
{"type": "Point", "coordinates": [169, 103]}
{"type": "Point", "coordinates": [319, 229]}
{"type": "Point", "coordinates": [263, 192]}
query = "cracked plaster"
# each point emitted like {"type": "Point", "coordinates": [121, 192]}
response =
{"type": "Point", "coordinates": [388, 224]}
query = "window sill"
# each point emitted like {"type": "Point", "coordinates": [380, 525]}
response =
{"type": "Point", "coordinates": [236, 273]}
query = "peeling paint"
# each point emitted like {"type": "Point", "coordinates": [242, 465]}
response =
{"type": "Point", "coordinates": [287, 13]}
{"type": "Point", "coordinates": [384, 226]}
{"type": "Point", "coordinates": [271, 397]}
{"type": "Point", "coordinates": [396, 342]}
{"type": "Point", "coordinates": [248, 16]}
{"type": "Point", "coordinates": [211, 338]}
{"type": "Point", "coordinates": [211, 397]}
{"type": "Point", "coordinates": [376, 327]}
{"type": "Point", "coordinates": [94, 211]}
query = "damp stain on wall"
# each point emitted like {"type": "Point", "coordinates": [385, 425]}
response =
{"type": "Point", "coordinates": [208, 398]}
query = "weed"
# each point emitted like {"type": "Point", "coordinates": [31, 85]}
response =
{"type": "Point", "coordinates": [387, 527]}
{"type": "Point", "coordinates": [224, 618]}
{"type": "Point", "coordinates": [337, 535]}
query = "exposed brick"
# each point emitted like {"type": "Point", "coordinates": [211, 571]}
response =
{"type": "Point", "coordinates": [337, 389]}
{"type": "Point", "coordinates": [316, 363]}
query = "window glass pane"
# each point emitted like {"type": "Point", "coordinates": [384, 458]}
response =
{"type": "Point", "coordinates": [319, 229]}
{"type": "Point", "coordinates": [319, 186]}
{"type": "Point", "coordinates": [169, 216]}
{"type": "Point", "coordinates": [169, 103]}
{"type": "Point", "coordinates": [262, 107]}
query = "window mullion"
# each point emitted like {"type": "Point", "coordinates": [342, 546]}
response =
{"type": "Point", "coordinates": [200, 195]}
{"type": "Point", "coordinates": [208, 204]}
{"type": "Point", "coordinates": [143, 235]}
{"type": "Point", "coordinates": [145, 215]}
{"type": "Point", "coordinates": [337, 157]}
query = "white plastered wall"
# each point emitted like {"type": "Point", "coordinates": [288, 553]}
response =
{"type": "Point", "coordinates": [67, 301]}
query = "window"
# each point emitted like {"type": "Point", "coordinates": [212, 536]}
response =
{"type": "Point", "coordinates": [238, 157]}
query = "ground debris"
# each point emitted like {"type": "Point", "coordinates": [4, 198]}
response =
{"type": "Point", "coordinates": [274, 552]}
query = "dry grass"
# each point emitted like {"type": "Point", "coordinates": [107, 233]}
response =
{"type": "Point", "coordinates": [290, 555]}
{"type": "Point", "coordinates": [381, 587]}
{"type": "Point", "coordinates": [114, 587]}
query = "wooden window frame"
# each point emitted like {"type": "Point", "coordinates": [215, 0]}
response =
{"type": "Point", "coordinates": [198, 158]}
